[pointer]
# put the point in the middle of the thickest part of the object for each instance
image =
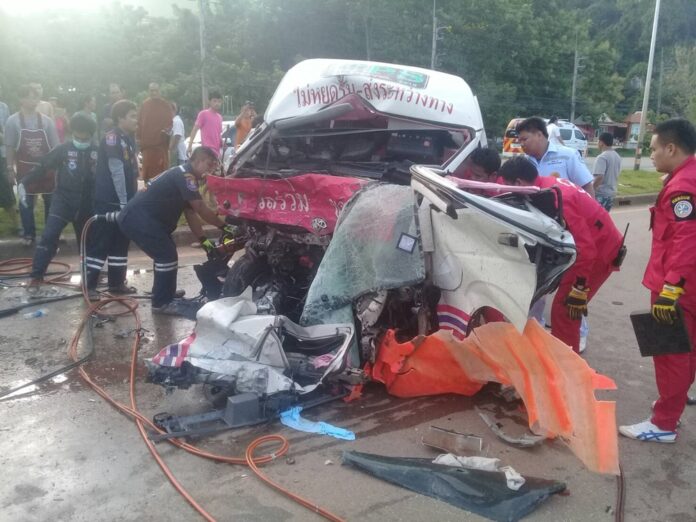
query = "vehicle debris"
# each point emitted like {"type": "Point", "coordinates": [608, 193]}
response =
{"type": "Point", "coordinates": [525, 441]}
{"type": "Point", "coordinates": [451, 441]}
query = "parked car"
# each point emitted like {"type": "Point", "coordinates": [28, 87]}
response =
{"type": "Point", "coordinates": [571, 135]}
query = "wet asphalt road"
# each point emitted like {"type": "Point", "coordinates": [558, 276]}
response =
{"type": "Point", "coordinates": [67, 455]}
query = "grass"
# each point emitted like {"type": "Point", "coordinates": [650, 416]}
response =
{"type": "Point", "coordinates": [8, 230]}
{"type": "Point", "coordinates": [633, 182]}
{"type": "Point", "coordinates": [593, 152]}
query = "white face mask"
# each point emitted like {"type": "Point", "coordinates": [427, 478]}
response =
{"type": "Point", "coordinates": [81, 145]}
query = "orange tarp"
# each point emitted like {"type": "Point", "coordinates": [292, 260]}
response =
{"type": "Point", "coordinates": [556, 385]}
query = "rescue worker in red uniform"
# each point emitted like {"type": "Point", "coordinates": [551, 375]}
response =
{"type": "Point", "coordinates": [671, 273]}
{"type": "Point", "coordinates": [597, 240]}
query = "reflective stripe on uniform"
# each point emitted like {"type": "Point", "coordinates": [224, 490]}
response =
{"type": "Point", "coordinates": [93, 262]}
{"type": "Point", "coordinates": [166, 267]}
{"type": "Point", "coordinates": [118, 261]}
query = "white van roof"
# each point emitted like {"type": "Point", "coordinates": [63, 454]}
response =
{"type": "Point", "coordinates": [397, 90]}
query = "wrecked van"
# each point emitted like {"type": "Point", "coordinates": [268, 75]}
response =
{"type": "Point", "coordinates": [355, 239]}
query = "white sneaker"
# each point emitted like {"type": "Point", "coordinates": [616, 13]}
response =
{"type": "Point", "coordinates": [583, 344]}
{"type": "Point", "coordinates": [646, 431]}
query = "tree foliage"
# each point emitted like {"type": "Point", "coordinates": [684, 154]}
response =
{"type": "Point", "coordinates": [516, 54]}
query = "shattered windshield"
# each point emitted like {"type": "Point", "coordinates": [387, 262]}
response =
{"type": "Point", "coordinates": [375, 247]}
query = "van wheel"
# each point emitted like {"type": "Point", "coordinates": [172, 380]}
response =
{"type": "Point", "coordinates": [243, 273]}
{"type": "Point", "coordinates": [485, 315]}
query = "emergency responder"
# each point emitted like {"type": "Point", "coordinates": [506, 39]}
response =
{"type": "Point", "coordinates": [481, 165]}
{"type": "Point", "coordinates": [115, 184]}
{"type": "Point", "coordinates": [151, 217]}
{"type": "Point", "coordinates": [74, 163]}
{"type": "Point", "coordinates": [598, 243]}
{"type": "Point", "coordinates": [671, 273]}
{"type": "Point", "coordinates": [557, 161]}
{"type": "Point", "coordinates": [552, 159]}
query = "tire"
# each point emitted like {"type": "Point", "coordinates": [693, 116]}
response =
{"type": "Point", "coordinates": [485, 315]}
{"type": "Point", "coordinates": [243, 273]}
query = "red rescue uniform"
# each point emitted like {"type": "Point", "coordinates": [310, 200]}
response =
{"type": "Point", "coordinates": [598, 242]}
{"type": "Point", "coordinates": [673, 260]}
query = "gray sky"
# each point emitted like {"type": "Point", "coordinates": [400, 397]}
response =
{"type": "Point", "coordinates": [154, 7]}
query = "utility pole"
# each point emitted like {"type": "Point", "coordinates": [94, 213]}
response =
{"type": "Point", "coordinates": [659, 85]}
{"type": "Point", "coordinates": [576, 68]}
{"type": "Point", "coordinates": [433, 54]}
{"type": "Point", "coordinates": [201, 27]}
{"type": "Point", "coordinates": [646, 94]}
{"type": "Point", "coordinates": [436, 36]}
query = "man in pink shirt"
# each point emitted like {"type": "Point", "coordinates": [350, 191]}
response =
{"type": "Point", "coordinates": [209, 122]}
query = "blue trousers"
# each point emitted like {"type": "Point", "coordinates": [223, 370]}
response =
{"type": "Point", "coordinates": [65, 208]}
{"type": "Point", "coordinates": [107, 243]}
{"type": "Point", "coordinates": [157, 243]}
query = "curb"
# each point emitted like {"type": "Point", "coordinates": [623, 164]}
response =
{"type": "Point", "coordinates": [637, 199]}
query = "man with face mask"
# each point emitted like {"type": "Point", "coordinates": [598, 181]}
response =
{"type": "Point", "coordinates": [115, 184]}
{"type": "Point", "coordinates": [74, 163]}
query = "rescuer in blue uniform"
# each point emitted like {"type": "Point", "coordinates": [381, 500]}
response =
{"type": "Point", "coordinates": [152, 215]}
{"type": "Point", "coordinates": [75, 163]}
{"type": "Point", "coordinates": [116, 183]}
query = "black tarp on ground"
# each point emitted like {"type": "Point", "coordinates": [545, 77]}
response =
{"type": "Point", "coordinates": [482, 492]}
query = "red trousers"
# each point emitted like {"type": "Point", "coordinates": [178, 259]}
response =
{"type": "Point", "coordinates": [155, 161]}
{"type": "Point", "coordinates": [562, 326]}
{"type": "Point", "coordinates": [674, 375]}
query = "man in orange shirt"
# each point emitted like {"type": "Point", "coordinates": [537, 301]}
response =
{"type": "Point", "coordinates": [154, 127]}
{"type": "Point", "coordinates": [244, 123]}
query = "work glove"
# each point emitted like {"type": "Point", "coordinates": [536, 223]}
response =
{"type": "Point", "coordinates": [208, 246]}
{"type": "Point", "coordinates": [576, 301]}
{"type": "Point", "coordinates": [228, 230]}
{"type": "Point", "coordinates": [664, 309]}
{"type": "Point", "coordinates": [22, 195]}
{"type": "Point", "coordinates": [111, 217]}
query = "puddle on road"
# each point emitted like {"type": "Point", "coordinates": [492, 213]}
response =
{"type": "Point", "coordinates": [62, 382]}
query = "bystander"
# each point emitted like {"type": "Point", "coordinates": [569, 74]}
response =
{"type": "Point", "coordinates": [29, 136]}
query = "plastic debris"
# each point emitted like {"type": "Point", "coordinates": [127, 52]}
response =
{"type": "Point", "coordinates": [291, 418]}
{"type": "Point", "coordinates": [557, 386]}
{"type": "Point", "coordinates": [41, 312]}
{"type": "Point", "coordinates": [514, 480]}
{"type": "Point", "coordinates": [482, 463]}
{"type": "Point", "coordinates": [485, 493]}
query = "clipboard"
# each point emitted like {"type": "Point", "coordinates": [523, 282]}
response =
{"type": "Point", "coordinates": [660, 339]}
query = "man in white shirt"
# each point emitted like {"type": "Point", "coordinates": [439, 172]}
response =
{"type": "Point", "coordinates": [177, 145]}
{"type": "Point", "coordinates": [554, 132]}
